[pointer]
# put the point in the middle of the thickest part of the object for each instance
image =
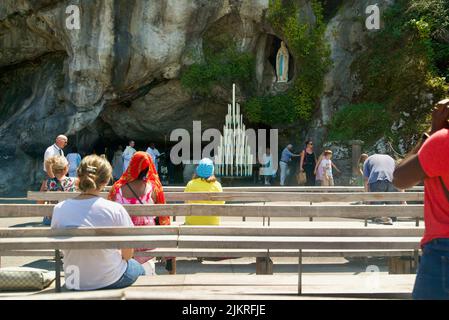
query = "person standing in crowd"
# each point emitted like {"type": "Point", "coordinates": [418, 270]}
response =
{"type": "Point", "coordinates": [117, 163]}
{"type": "Point", "coordinates": [74, 159]}
{"type": "Point", "coordinates": [128, 154]}
{"type": "Point", "coordinates": [267, 169]}
{"type": "Point", "coordinates": [326, 165]}
{"type": "Point", "coordinates": [140, 184]}
{"type": "Point", "coordinates": [286, 157]}
{"type": "Point", "coordinates": [204, 181]}
{"type": "Point", "coordinates": [54, 150]}
{"type": "Point", "coordinates": [319, 170]}
{"type": "Point", "coordinates": [98, 268]}
{"type": "Point", "coordinates": [428, 162]}
{"type": "Point", "coordinates": [59, 166]}
{"type": "Point", "coordinates": [378, 172]}
{"type": "Point", "coordinates": [155, 154]}
{"type": "Point", "coordinates": [362, 159]}
{"type": "Point", "coordinates": [308, 163]}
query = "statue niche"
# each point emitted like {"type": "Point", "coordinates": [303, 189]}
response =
{"type": "Point", "coordinates": [282, 58]}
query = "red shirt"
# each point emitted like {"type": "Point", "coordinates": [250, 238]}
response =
{"type": "Point", "coordinates": [434, 159]}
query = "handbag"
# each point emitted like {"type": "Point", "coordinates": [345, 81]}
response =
{"type": "Point", "coordinates": [302, 178]}
{"type": "Point", "coordinates": [25, 279]}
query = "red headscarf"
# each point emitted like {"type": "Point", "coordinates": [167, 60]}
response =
{"type": "Point", "coordinates": [139, 162]}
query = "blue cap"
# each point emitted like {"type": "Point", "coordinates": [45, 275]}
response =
{"type": "Point", "coordinates": [205, 168]}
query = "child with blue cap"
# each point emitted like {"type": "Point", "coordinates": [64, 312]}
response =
{"type": "Point", "coordinates": [205, 168]}
{"type": "Point", "coordinates": [204, 181]}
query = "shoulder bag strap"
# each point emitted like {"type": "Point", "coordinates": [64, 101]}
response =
{"type": "Point", "coordinates": [134, 193]}
{"type": "Point", "coordinates": [138, 198]}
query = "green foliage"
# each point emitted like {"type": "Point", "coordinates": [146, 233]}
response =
{"type": "Point", "coordinates": [223, 65]}
{"type": "Point", "coordinates": [311, 54]}
{"type": "Point", "coordinates": [366, 122]}
{"type": "Point", "coordinates": [405, 63]}
{"type": "Point", "coordinates": [278, 109]}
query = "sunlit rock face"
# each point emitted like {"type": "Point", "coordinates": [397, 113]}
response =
{"type": "Point", "coordinates": [118, 76]}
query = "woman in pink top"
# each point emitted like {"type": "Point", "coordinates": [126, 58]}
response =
{"type": "Point", "coordinates": [136, 188]}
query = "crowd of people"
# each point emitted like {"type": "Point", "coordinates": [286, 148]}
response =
{"type": "Point", "coordinates": [139, 183]}
{"type": "Point", "coordinates": [312, 171]}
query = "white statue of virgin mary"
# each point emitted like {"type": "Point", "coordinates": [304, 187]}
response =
{"type": "Point", "coordinates": [282, 63]}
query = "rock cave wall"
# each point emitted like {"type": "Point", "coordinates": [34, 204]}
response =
{"type": "Point", "coordinates": [117, 78]}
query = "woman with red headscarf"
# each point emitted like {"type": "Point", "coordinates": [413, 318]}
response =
{"type": "Point", "coordinates": [140, 184]}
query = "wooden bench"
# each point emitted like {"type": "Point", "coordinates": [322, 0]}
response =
{"type": "Point", "coordinates": [237, 210]}
{"type": "Point", "coordinates": [211, 237]}
{"type": "Point", "coordinates": [266, 211]}
{"type": "Point", "coordinates": [257, 196]}
{"type": "Point", "coordinates": [264, 197]}
{"type": "Point", "coordinates": [284, 189]}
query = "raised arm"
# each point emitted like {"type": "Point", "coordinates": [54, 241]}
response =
{"type": "Point", "coordinates": [410, 171]}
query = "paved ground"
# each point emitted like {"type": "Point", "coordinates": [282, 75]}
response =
{"type": "Point", "coordinates": [238, 287]}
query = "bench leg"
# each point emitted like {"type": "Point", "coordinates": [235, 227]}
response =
{"type": "Point", "coordinates": [173, 266]}
{"type": "Point", "coordinates": [300, 273]}
{"type": "Point", "coordinates": [417, 222]}
{"type": "Point", "coordinates": [58, 270]}
{"type": "Point", "coordinates": [264, 265]}
{"type": "Point", "coordinates": [366, 222]}
{"type": "Point", "coordinates": [416, 260]}
{"type": "Point", "coordinates": [400, 265]}
{"type": "Point", "coordinates": [310, 218]}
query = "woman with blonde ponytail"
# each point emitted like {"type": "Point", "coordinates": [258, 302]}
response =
{"type": "Point", "coordinates": [99, 268]}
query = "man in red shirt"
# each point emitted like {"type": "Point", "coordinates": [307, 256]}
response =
{"type": "Point", "coordinates": [429, 162]}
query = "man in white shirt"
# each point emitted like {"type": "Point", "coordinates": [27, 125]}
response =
{"type": "Point", "coordinates": [128, 154]}
{"type": "Point", "coordinates": [267, 169]}
{"type": "Point", "coordinates": [55, 150]}
{"type": "Point", "coordinates": [154, 153]}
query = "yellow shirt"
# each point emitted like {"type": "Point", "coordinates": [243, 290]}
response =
{"type": "Point", "coordinates": [201, 185]}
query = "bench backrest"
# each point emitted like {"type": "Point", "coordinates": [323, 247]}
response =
{"type": "Point", "coordinates": [210, 237]}
{"type": "Point", "coordinates": [257, 196]}
{"type": "Point", "coordinates": [237, 210]}
{"type": "Point", "coordinates": [284, 189]}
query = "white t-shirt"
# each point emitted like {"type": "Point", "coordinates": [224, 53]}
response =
{"type": "Point", "coordinates": [267, 162]}
{"type": "Point", "coordinates": [154, 153]}
{"type": "Point", "coordinates": [98, 268]}
{"type": "Point", "coordinates": [326, 165]}
{"type": "Point", "coordinates": [74, 160]}
{"type": "Point", "coordinates": [52, 151]}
